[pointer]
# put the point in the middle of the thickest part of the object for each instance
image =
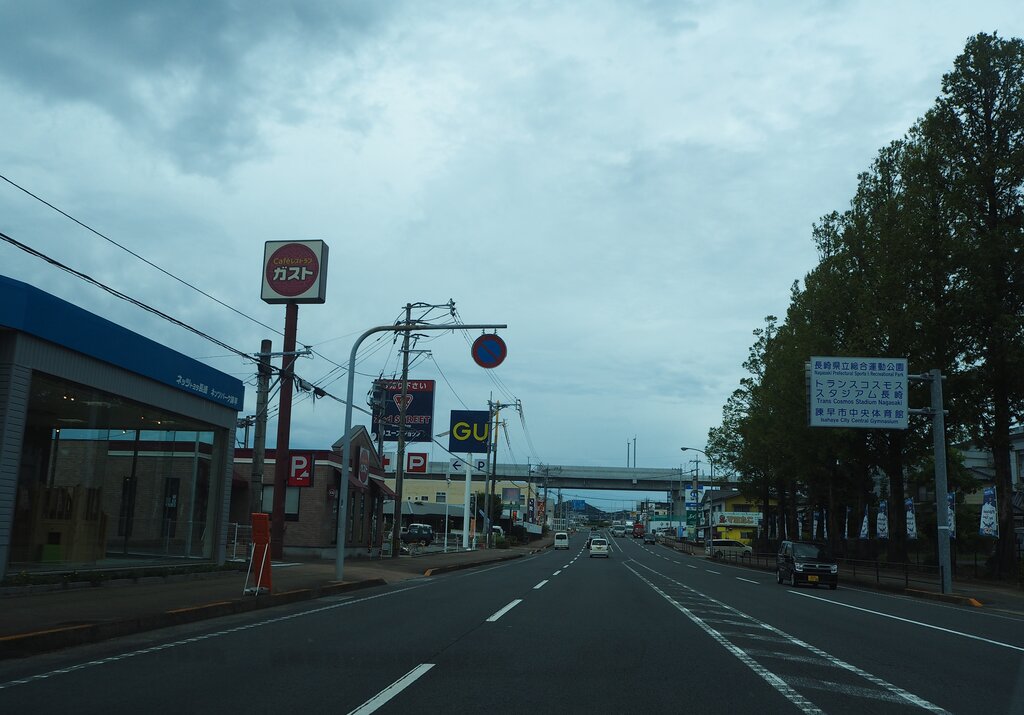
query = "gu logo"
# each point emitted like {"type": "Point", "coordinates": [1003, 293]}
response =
{"type": "Point", "coordinates": [479, 433]}
{"type": "Point", "coordinates": [470, 431]}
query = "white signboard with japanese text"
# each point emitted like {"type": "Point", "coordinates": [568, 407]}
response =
{"type": "Point", "coordinates": [868, 393]}
{"type": "Point", "coordinates": [737, 518]}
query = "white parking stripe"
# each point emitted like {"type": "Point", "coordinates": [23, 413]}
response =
{"type": "Point", "coordinates": [504, 610]}
{"type": "Point", "coordinates": [392, 690]}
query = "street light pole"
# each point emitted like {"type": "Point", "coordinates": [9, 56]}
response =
{"type": "Point", "coordinates": [346, 440]}
{"type": "Point", "coordinates": [710, 535]}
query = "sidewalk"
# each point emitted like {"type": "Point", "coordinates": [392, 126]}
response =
{"type": "Point", "coordinates": [979, 594]}
{"type": "Point", "coordinates": [39, 619]}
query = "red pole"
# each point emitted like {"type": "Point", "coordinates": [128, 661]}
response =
{"type": "Point", "coordinates": [284, 419]}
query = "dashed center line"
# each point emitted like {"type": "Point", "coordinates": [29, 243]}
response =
{"type": "Point", "coordinates": [540, 585]}
{"type": "Point", "coordinates": [374, 703]}
{"type": "Point", "coordinates": [504, 610]}
{"type": "Point", "coordinates": [557, 572]}
{"type": "Point", "coordinates": [710, 571]}
{"type": "Point", "coordinates": [740, 578]}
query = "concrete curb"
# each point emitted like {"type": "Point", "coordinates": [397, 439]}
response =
{"type": "Point", "coordinates": [459, 567]}
{"type": "Point", "coordinates": [945, 597]}
{"type": "Point", "coordinates": [26, 644]}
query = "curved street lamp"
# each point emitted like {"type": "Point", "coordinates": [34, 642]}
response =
{"type": "Point", "coordinates": [710, 535]}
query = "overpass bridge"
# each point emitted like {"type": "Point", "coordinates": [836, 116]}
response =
{"type": "Point", "coordinates": [580, 477]}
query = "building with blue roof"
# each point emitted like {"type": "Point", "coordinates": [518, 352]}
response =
{"type": "Point", "coordinates": [115, 450]}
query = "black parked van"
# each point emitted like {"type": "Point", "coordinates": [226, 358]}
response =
{"type": "Point", "coordinates": [806, 562]}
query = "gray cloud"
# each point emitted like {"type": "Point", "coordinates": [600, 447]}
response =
{"type": "Point", "coordinates": [193, 78]}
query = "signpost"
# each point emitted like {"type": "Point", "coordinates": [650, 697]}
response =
{"type": "Point", "coordinates": [867, 393]}
{"type": "Point", "coordinates": [872, 393]}
{"type": "Point", "coordinates": [469, 432]}
{"type": "Point", "coordinates": [489, 351]}
{"type": "Point", "coordinates": [294, 272]}
{"type": "Point", "coordinates": [419, 410]}
{"type": "Point", "coordinates": [346, 440]}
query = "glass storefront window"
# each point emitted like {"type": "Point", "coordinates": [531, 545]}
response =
{"type": "Point", "coordinates": [105, 481]}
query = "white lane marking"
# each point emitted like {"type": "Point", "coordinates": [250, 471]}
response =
{"type": "Point", "coordinates": [205, 636]}
{"type": "Point", "coordinates": [557, 572]}
{"type": "Point", "coordinates": [504, 610]}
{"type": "Point", "coordinates": [805, 705]}
{"type": "Point", "coordinates": [851, 690]}
{"type": "Point", "coordinates": [540, 585]}
{"type": "Point", "coordinates": [907, 620]}
{"type": "Point", "coordinates": [710, 571]}
{"type": "Point", "coordinates": [567, 565]}
{"type": "Point", "coordinates": [740, 578]}
{"type": "Point", "coordinates": [690, 566]}
{"type": "Point", "coordinates": [874, 679]}
{"type": "Point", "coordinates": [284, 566]}
{"type": "Point", "coordinates": [392, 690]}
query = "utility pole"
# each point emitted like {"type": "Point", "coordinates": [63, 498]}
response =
{"type": "Point", "coordinates": [489, 484]}
{"type": "Point", "coordinates": [396, 543]}
{"type": "Point", "coordinates": [259, 440]}
{"type": "Point", "coordinates": [346, 439]}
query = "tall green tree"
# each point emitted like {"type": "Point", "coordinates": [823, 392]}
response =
{"type": "Point", "coordinates": [977, 126]}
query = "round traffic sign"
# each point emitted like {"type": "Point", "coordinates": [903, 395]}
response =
{"type": "Point", "coordinates": [489, 351]}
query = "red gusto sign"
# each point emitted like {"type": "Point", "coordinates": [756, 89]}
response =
{"type": "Point", "coordinates": [294, 272]}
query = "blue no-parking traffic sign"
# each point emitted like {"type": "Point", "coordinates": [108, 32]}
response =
{"type": "Point", "coordinates": [489, 351]}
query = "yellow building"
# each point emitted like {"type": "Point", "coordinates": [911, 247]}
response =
{"type": "Point", "coordinates": [732, 515]}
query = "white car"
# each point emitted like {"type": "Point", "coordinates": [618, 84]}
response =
{"type": "Point", "coordinates": [561, 540]}
{"type": "Point", "coordinates": [598, 547]}
{"type": "Point", "coordinates": [729, 548]}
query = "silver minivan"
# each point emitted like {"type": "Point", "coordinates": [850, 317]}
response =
{"type": "Point", "coordinates": [561, 540]}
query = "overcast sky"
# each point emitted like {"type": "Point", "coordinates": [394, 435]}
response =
{"type": "Point", "coordinates": [630, 186]}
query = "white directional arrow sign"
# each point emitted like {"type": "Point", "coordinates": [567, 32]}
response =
{"type": "Point", "coordinates": [457, 466]}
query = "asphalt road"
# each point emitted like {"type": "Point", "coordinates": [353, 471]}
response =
{"type": "Point", "coordinates": [647, 630]}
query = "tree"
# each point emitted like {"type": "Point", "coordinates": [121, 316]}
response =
{"type": "Point", "coordinates": [977, 126]}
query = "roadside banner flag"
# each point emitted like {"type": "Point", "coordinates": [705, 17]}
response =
{"type": "Point", "coordinates": [951, 509]}
{"type": "Point", "coordinates": [864, 525]}
{"type": "Point", "coordinates": [814, 526]}
{"type": "Point", "coordinates": [846, 524]}
{"type": "Point", "coordinates": [883, 520]}
{"type": "Point", "coordinates": [989, 514]}
{"type": "Point", "coordinates": [911, 519]}
{"type": "Point", "coordinates": [824, 523]}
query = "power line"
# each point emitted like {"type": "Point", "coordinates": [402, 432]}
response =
{"type": "Point", "coordinates": [443, 377]}
{"type": "Point", "coordinates": [167, 273]}
{"type": "Point", "coordinates": [106, 238]}
{"type": "Point", "coordinates": [118, 294]}
{"type": "Point", "coordinates": [145, 306]}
